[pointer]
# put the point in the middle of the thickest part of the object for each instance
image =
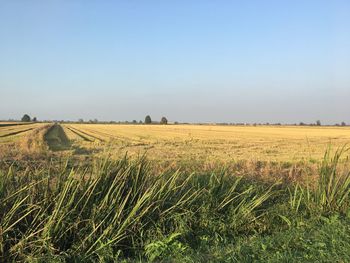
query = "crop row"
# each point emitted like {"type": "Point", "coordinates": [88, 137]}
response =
{"type": "Point", "coordinates": [7, 131]}
{"type": "Point", "coordinates": [84, 135]}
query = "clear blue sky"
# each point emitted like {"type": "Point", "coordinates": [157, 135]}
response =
{"type": "Point", "coordinates": [194, 61]}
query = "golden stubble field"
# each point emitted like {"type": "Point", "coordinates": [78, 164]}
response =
{"type": "Point", "coordinates": [192, 143]}
{"type": "Point", "coordinates": [209, 143]}
{"type": "Point", "coordinates": [10, 131]}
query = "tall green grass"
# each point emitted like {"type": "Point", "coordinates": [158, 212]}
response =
{"type": "Point", "coordinates": [333, 189]}
{"type": "Point", "coordinates": [330, 192]}
{"type": "Point", "coordinates": [113, 210]}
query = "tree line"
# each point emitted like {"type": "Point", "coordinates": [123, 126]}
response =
{"type": "Point", "coordinates": [148, 120]}
{"type": "Point", "coordinates": [27, 118]}
{"type": "Point", "coordinates": [164, 121]}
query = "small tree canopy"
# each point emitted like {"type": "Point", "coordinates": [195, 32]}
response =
{"type": "Point", "coordinates": [164, 120]}
{"type": "Point", "coordinates": [318, 123]}
{"type": "Point", "coordinates": [148, 119]}
{"type": "Point", "coordinates": [35, 119]}
{"type": "Point", "coordinates": [26, 118]}
{"type": "Point", "coordinates": [343, 123]}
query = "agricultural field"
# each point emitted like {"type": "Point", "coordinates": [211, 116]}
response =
{"type": "Point", "coordinates": [10, 131]}
{"type": "Point", "coordinates": [186, 143]}
{"type": "Point", "coordinates": [210, 143]}
{"type": "Point", "coordinates": [173, 193]}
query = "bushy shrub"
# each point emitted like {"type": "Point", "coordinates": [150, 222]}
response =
{"type": "Point", "coordinates": [148, 120]}
{"type": "Point", "coordinates": [26, 118]}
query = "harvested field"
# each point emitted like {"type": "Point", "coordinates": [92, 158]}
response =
{"type": "Point", "coordinates": [213, 143]}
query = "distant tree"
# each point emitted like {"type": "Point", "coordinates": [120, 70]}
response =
{"type": "Point", "coordinates": [176, 122]}
{"type": "Point", "coordinates": [301, 123]}
{"type": "Point", "coordinates": [95, 120]}
{"type": "Point", "coordinates": [318, 123]}
{"type": "Point", "coordinates": [134, 121]}
{"type": "Point", "coordinates": [343, 124]}
{"type": "Point", "coordinates": [35, 119]}
{"type": "Point", "coordinates": [140, 122]}
{"type": "Point", "coordinates": [148, 120]}
{"type": "Point", "coordinates": [164, 120]}
{"type": "Point", "coordinates": [80, 120]}
{"type": "Point", "coordinates": [26, 118]}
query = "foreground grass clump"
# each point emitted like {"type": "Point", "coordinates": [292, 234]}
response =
{"type": "Point", "coordinates": [113, 208]}
{"type": "Point", "coordinates": [122, 210]}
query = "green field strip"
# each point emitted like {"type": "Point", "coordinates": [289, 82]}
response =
{"type": "Point", "coordinates": [56, 138]}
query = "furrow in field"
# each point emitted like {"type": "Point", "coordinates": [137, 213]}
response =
{"type": "Point", "coordinates": [79, 134]}
{"type": "Point", "coordinates": [15, 133]}
{"type": "Point", "coordinates": [14, 129]}
{"type": "Point", "coordinates": [104, 134]}
{"type": "Point", "coordinates": [14, 124]}
{"type": "Point", "coordinates": [120, 138]}
{"type": "Point", "coordinates": [8, 129]}
{"type": "Point", "coordinates": [71, 135]}
{"type": "Point", "coordinates": [89, 134]}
